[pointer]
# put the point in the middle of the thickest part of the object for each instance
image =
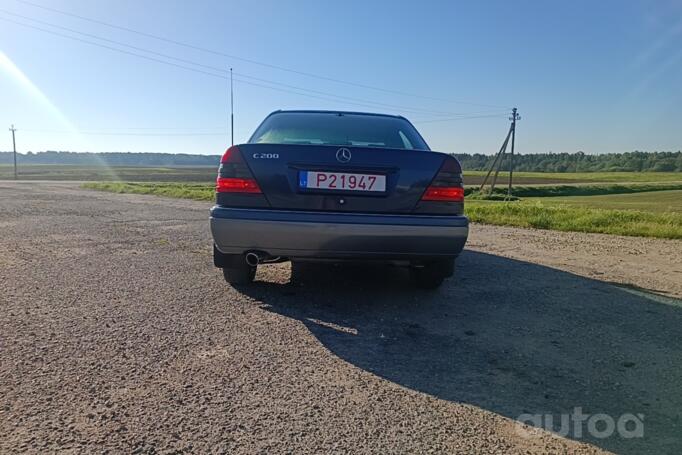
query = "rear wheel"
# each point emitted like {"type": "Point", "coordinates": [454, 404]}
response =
{"type": "Point", "coordinates": [243, 274]}
{"type": "Point", "coordinates": [235, 268]}
{"type": "Point", "coordinates": [431, 274]}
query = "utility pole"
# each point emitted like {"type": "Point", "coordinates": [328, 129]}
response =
{"type": "Point", "coordinates": [14, 145]}
{"type": "Point", "coordinates": [513, 119]}
{"type": "Point", "coordinates": [231, 107]}
{"type": "Point", "coordinates": [498, 162]}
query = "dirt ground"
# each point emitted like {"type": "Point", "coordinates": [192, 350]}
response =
{"type": "Point", "coordinates": [117, 335]}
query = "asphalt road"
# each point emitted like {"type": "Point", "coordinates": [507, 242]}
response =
{"type": "Point", "coordinates": [118, 335]}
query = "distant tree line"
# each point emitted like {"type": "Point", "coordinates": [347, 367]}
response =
{"type": "Point", "coordinates": [112, 159]}
{"type": "Point", "coordinates": [540, 162]}
{"type": "Point", "coordinates": [581, 162]}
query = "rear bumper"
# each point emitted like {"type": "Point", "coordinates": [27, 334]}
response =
{"type": "Point", "coordinates": [337, 235]}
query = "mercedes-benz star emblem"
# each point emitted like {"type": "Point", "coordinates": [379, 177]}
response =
{"type": "Point", "coordinates": [343, 155]}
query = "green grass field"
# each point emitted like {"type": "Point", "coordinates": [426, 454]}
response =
{"type": "Point", "coordinates": [639, 214]}
{"type": "Point", "coordinates": [196, 191]}
{"type": "Point", "coordinates": [646, 214]}
{"type": "Point", "coordinates": [579, 177]}
{"type": "Point", "coordinates": [658, 201]}
{"type": "Point", "coordinates": [203, 174]}
{"type": "Point", "coordinates": [556, 216]}
{"type": "Point", "coordinates": [112, 173]}
{"type": "Point", "coordinates": [592, 189]}
{"type": "Point", "coordinates": [629, 203]}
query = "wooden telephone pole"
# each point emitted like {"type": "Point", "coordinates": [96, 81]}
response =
{"type": "Point", "coordinates": [513, 119]}
{"type": "Point", "coordinates": [231, 108]}
{"type": "Point", "coordinates": [499, 158]}
{"type": "Point", "coordinates": [14, 145]}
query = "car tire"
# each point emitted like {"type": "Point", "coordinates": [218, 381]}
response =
{"type": "Point", "coordinates": [297, 272]}
{"type": "Point", "coordinates": [431, 275]}
{"type": "Point", "coordinates": [235, 268]}
{"type": "Point", "coordinates": [239, 274]}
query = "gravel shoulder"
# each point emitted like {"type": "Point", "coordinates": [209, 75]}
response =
{"type": "Point", "coordinates": [650, 265]}
{"type": "Point", "coordinates": [117, 334]}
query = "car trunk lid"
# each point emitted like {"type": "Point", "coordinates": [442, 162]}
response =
{"type": "Point", "coordinates": [281, 170]}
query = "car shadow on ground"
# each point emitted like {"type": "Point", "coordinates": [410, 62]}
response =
{"type": "Point", "coordinates": [507, 336]}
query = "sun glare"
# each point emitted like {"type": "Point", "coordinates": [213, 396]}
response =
{"type": "Point", "coordinates": [71, 139]}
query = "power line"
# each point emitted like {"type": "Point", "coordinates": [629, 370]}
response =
{"type": "Point", "coordinates": [111, 48]}
{"type": "Point", "coordinates": [356, 103]}
{"type": "Point", "coordinates": [217, 69]}
{"type": "Point", "coordinates": [377, 103]}
{"type": "Point", "coordinates": [100, 133]}
{"type": "Point", "coordinates": [306, 94]}
{"type": "Point", "coordinates": [461, 118]}
{"type": "Point", "coordinates": [175, 128]}
{"type": "Point", "coordinates": [208, 73]}
{"type": "Point", "coordinates": [255, 62]}
{"type": "Point", "coordinates": [130, 46]}
{"type": "Point", "coordinates": [107, 132]}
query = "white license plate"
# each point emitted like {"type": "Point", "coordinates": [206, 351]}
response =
{"type": "Point", "coordinates": [341, 181]}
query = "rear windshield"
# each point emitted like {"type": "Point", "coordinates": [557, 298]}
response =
{"type": "Point", "coordinates": [314, 128]}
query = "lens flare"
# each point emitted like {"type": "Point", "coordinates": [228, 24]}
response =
{"type": "Point", "coordinates": [73, 138]}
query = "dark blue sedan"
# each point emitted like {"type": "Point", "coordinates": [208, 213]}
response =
{"type": "Point", "coordinates": [340, 186]}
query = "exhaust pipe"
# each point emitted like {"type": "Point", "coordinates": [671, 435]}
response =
{"type": "Point", "coordinates": [252, 259]}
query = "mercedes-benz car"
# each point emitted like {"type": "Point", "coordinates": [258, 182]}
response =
{"type": "Point", "coordinates": [338, 186]}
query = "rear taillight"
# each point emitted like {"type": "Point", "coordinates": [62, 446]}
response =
{"type": "Point", "coordinates": [234, 175]}
{"type": "Point", "coordinates": [447, 185]}
{"type": "Point", "coordinates": [232, 185]}
{"type": "Point", "coordinates": [450, 193]}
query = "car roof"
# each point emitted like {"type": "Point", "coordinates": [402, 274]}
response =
{"type": "Point", "coordinates": [314, 111]}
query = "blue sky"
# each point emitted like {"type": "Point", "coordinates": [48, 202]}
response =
{"type": "Point", "coordinates": [601, 76]}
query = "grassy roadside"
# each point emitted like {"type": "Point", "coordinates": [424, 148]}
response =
{"type": "Point", "coordinates": [196, 191]}
{"type": "Point", "coordinates": [582, 190]}
{"type": "Point", "coordinates": [588, 177]}
{"type": "Point", "coordinates": [207, 174]}
{"type": "Point", "coordinates": [561, 217]}
{"type": "Point", "coordinates": [59, 172]}
{"type": "Point", "coordinates": [659, 201]}
{"type": "Point", "coordinates": [545, 213]}
{"type": "Point", "coordinates": [204, 191]}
